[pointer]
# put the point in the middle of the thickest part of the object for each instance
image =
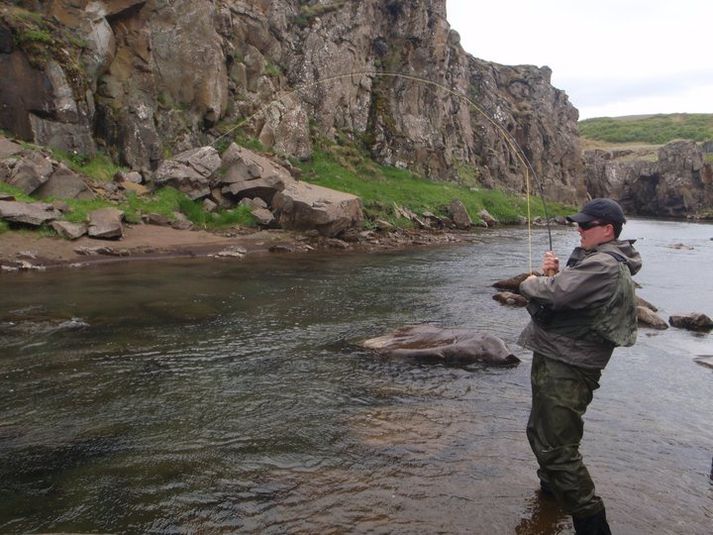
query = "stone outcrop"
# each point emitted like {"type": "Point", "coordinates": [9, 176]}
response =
{"type": "Point", "coordinates": [64, 183]}
{"type": "Point", "coordinates": [248, 175]}
{"type": "Point", "coordinates": [286, 73]}
{"type": "Point", "coordinates": [33, 214]}
{"type": "Point", "coordinates": [190, 171]}
{"type": "Point", "coordinates": [676, 181]}
{"type": "Point", "coordinates": [34, 172]}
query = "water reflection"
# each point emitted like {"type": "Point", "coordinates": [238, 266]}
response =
{"type": "Point", "coordinates": [544, 517]}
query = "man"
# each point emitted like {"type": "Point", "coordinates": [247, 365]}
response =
{"type": "Point", "coordinates": [579, 315]}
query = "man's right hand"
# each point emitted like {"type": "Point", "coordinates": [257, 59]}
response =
{"type": "Point", "coordinates": [550, 264]}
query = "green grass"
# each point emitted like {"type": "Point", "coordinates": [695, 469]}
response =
{"type": "Point", "coordinates": [100, 167]}
{"type": "Point", "coordinates": [34, 35]}
{"type": "Point", "coordinates": [654, 129]}
{"type": "Point", "coordinates": [165, 202]}
{"type": "Point", "coordinates": [16, 192]}
{"type": "Point", "coordinates": [380, 187]}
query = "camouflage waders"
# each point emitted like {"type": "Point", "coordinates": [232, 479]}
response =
{"type": "Point", "coordinates": [560, 396]}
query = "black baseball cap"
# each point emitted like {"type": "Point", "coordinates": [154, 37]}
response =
{"type": "Point", "coordinates": [599, 209]}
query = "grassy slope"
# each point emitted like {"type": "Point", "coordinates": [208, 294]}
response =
{"type": "Point", "coordinates": [380, 187]}
{"type": "Point", "coordinates": [343, 168]}
{"type": "Point", "coordinates": [648, 129]}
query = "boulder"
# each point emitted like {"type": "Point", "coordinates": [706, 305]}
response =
{"type": "Point", "coordinates": [181, 222]}
{"type": "Point", "coordinates": [459, 215]}
{"type": "Point", "coordinates": [512, 299]}
{"type": "Point", "coordinates": [8, 148]}
{"type": "Point", "coordinates": [488, 219]}
{"type": "Point", "coordinates": [30, 172]}
{"type": "Point", "coordinates": [156, 219]}
{"type": "Point", "coordinates": [303, 206]}
{"type": "Point", "coordinates": [190, 171]}
{"type": "Point", "coordinates": [644, 303]}
{"type": "Point", "coordinates": [64, 184]}
{"type": "Point", "coordinates": [69, 231]}
{"type": "Point", "coordinates": [257, 202]}
{"type": "Point", "coordinates": [432, 343]}
{"type": "Point", "coordinates": [34, 214]}
{"type": "Point", "coordinates": [649, 318]}
{"type": "Point", "coordinates": [263, 216]}
{"type": "Point", "coordinates": [692, 322]}
{"type": "Point", "coordinates": [105, 223]}
{"type": "Point", "coordinates": [250, 175]}
{"type": "Point", "coordinates": [704, 360]}
{"type": "Point", "coordinates": [209, 205]}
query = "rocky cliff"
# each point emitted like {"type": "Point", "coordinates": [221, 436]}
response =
{"type": "Point", "coordinates": [673, 181]}
{"type": "Point", "coordinates": [144, 79]}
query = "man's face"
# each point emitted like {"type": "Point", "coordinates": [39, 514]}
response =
{"type": "Point", "coordinates": [594, 233]}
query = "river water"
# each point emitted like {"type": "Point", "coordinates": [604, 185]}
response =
{"type": "Point", "coordinates": [231, 397]}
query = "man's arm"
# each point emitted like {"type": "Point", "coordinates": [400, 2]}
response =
{"type": "Point", "coordinates": [590, 282]}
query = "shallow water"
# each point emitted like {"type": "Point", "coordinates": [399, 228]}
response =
{"type": "Point", "coordinates": [230, 396]}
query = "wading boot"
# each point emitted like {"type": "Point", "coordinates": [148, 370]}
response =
{"type": "Point", "coordinates": [592, 525]}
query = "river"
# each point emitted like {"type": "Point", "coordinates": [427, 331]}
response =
{"type": "Point", "coordinates": [231, 397]}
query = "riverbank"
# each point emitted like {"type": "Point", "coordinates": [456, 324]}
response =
{"type": "Point", "coordinates": [28, 250]}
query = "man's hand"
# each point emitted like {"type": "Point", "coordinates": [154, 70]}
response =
{"type": "Point", "coordinates": [550, 264]}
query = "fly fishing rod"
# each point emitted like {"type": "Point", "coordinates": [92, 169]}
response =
{"type": "Point", "coordinates": [509, 139]}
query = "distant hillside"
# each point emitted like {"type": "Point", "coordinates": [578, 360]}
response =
{"type": "Point", "coordinates": [654, 129]}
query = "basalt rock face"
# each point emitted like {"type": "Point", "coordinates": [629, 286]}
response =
{"type": "Point", "coordinates": [160, 77]}
{"type": "Point", "coordinates": [675, 182]}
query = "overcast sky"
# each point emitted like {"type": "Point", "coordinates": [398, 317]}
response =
{"type": "Point", "coordinates": [611, 57]}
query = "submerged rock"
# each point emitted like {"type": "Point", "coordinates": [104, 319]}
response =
{"type": "Point", "coordinates": [640, 301]}
{"type": "Point", "coordinates": [704, 360]}
{"type": "Point", "coordinates": [513, 283]}
{"type": "Point", "coordinates": [692, 322]}
{"type": "Point", "coordinates": [512, 299]}
{"type": "Point", "coordinates": [432, 343]}
{"type": "Point", "coordinates": [649, 318]}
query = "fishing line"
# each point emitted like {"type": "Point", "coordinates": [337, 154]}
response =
{"type": "Point", "coordinates": [509, 139]}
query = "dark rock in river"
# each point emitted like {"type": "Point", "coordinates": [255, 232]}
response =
{"type": "Point", "coordinates": [704, 360]}
{"type": "Point", "coordinates": [649, 318]}
{"type": "Point", "coordinates": [692, 322]}
{"type": "Point", "coordinates": [640, 301]}
{"type": "Point", "coordinates": [432, 343]}
{"type": "Point", "coordinates": [512, 299]}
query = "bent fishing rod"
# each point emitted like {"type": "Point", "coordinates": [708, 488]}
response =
{"type": "Point", "coordinates": [509, 139]}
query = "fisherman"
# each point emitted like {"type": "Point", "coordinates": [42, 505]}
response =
{"type": "Point", "coordinates": [579, 315]}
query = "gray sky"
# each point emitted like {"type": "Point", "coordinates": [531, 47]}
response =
{"type": "Point", "coordinates": [612, 57]}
